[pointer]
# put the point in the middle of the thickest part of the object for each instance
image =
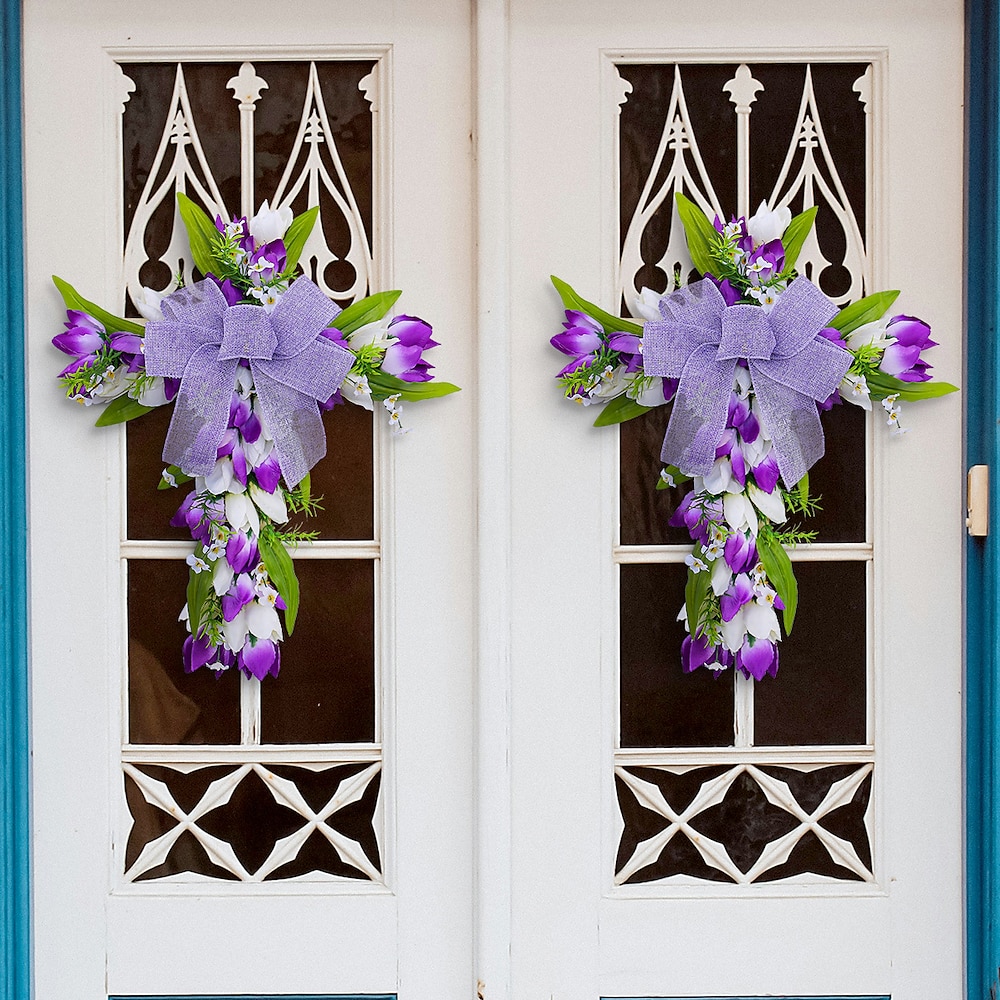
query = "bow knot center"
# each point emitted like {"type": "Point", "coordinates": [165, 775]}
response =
{"type": "Point", "coordinates": [746, 333]}
{"type": "Point", "coordinates": [247, 333]}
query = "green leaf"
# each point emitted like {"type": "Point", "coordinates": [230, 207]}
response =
{"type": "Point", "coordinates": [281, 570]}
{"type": "Point", "coordinates": [202, 234]}
{"type": "Point", "coordinates": [611, 324]}
{"type": "Point", "coordinates": [620, 409]}
{"type": "Point", "coordinates": [795, 234]}
{"type": "Point", "coordinates": [295, 238]}
{"type": "Point", "coordinates": [803, 488]}
{"type": "Point", "coordinates": [866, 310]}
{"type": "Point", "coordinates": [179, 478]}
{"type": "Point", "coordinates": [305, 487]}
{"type": "Point", "coordinates": [111, 323]}
{"type": "Point", "coordinates": [366, 310]}
{"type": "Point", "coordinates": [779, 571]}
{"type": "Point", "coordinates": [880, 386]}
{"type": "Point", "coordinates": [119, 410]}
{"type": "Point", "coordinates": [699, 231]}
{"type": "Point", "coordinates": [198, 588]}
{"type": "Point", "coordinates": [384, 385]}
{"type": "Point", "coordinates": [695, 592]}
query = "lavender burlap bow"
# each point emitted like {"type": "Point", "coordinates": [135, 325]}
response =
{"type": "Point", "coordinates": [699, 341]}
{"type": "Point", "coordinates": [201, 341]}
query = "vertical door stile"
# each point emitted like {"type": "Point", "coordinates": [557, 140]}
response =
{"type": "Point", "coordinates": [493, 847]}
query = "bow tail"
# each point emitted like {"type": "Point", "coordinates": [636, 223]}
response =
{"type": "Point", "coordinates": [792, 422]}
{"type": "Point", "coordinates": [294, 424]}
{"type": "Point", "coordinates": [201, 412]}
{"type": "Point", "coordinates": [699, 412]}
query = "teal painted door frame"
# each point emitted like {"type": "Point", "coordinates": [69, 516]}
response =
{"type": "Point", "coordinates": [982, 395]}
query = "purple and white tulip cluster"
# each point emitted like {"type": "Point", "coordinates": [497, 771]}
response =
{"type": "Point", "coordinates": [225, 512]}
{"type": "Point", "coordinates": [736, 514]}
{"type": "Point", "coordinates": [241, 574]}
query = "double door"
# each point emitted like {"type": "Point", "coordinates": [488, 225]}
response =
{"type": "Point", "coordinates": [481, 763]}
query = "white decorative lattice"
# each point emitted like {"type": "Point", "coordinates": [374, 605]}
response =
{"type": "Point", "coordinates": [181, 165]}
{"type": "Point", "coordinates": [686, 173]}
{"type": "Point", "coordinates": [217, 796]}
{"type": "Point", "coordinates": [714, 853]}
{"type": "Point", "coordinates": [808, 177]}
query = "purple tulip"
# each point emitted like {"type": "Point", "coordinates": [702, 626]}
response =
{"type": "Point", "coordinates": [740, 553]}
{"type": "Point", "coordinates": [739, 593]}
{"type": "Point", "coordinates": [757, 658]}
{"type": "Point", "coordinates": [403, 357]}
{"type": "Point", "coordinates": [230, 292]}
{"type": "Point", "coordinates": [268, 473]}
{"type": "Point", "coordinates": [258, 658]}
{"type": "Point", "coordinates": [730, 294]}
{"type": "Point", "coordinates": [629, 346]}
{"type": "Point", "coordinates": [769, 259]}
{"type": "Point", "coordinates": [834, 336]}
{"type": "Point", "coordinates": [240, 594]}
{"type": "Point", "coordinates": [766, 472]}
{"type": "Point", "coordinates": [695, 652]}
{"type": "Point", "coordinates": [581, 339]}
{"type": "Point", "coordinates": [697, 517]}
{"type": "Point", "coordinates": [83, 337]}
{"type": "Point", "coordinates": [902, 358]}
{"type": "Point", "coordinates": [197, 653]}
{"type": "Point", "coordinates": [241, 552]}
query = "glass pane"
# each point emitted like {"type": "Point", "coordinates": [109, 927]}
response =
{"type": "Point", "coordinates": [344, 480]}
{"type": "Point", "coordinates": [645, 510]}
{"type": "Point", "coordinates": [661, 706]}
{"type": "Point", "coordinates": [325, 692]}
{"type": "Point", "coordinates": [166, 705]}
{"type": "Point", "coordinates": [819, 696]}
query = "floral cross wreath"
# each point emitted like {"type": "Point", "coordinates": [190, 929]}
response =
{"type": "Point", "coordinates": [749, 356]}
{"type": "Point", "coordinates": [250, 357]}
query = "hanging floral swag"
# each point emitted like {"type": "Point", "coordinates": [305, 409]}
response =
{"type": "Point", "coordinates": [249, 356]}
{"type": "Point", "coordinates": [749, 356]}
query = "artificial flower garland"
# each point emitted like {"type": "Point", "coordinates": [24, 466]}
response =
{"type": "Point", "coordinates": [749, 357]}
{"type": "Point", "coordinates": [250, 357]}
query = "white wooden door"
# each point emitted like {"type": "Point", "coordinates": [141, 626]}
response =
{"type": "Point", "coordinates": [558, 913]}
{"type": "Point", "coordinates": [144, 883]}
{"type": "Point", "coordinates": [615, 752]}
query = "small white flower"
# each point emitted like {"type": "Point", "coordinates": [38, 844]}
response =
{"type": "Point", "coordinates": [216, 550]}
{"type": "Point", "coordinates": [694, 563]}
{"type": "Point", "coordinates": [196, 563]}
{"type": "Point", "coordinates": [358, 391]}
{"type": "Point", "coordinates": [168, 478]}
{"type": "Point", "coordinates": [667, 478]}
{"type": "Point", "coordinates": [854, 389]}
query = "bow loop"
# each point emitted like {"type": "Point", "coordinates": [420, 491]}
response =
{"type": "Point", "coordinates": [791, 368]}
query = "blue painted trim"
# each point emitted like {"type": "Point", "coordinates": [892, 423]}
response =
{"type": "Point", "coordinates": [982, 393]}
{"type": "Point", "coordinates": [15, 921]}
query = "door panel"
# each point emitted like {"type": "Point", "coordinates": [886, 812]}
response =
{"type": "Point", "coordinates": [117, 908]}
{"type": "Point", "coordinates": [894, 928]}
